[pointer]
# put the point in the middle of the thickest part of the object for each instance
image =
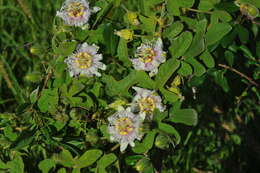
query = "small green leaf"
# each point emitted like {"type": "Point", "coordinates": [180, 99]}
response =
{"type": "Point", "coordinates": [199, 69]}
{"type": "Point", "coordinates": [146, 144]}
{"type": "Point", "coordinates": [2, 165]}
{"type": "Point", "coordinates": [198, 43]}
{"type": "Point", "coordinates": [48, 96]}
{"type": "Point", "coordinates": [122, 52]}
{"type": "Point", "coordinates": [88, 158]}
{"type": "Point", "coordinates": [66, 48]}
{"type": "Point", "coordinates": [165, 72]}
{"type": "Point", "coordinates": [46, 165]}
{"type": "Point", "coordinates": [16, 165]}
{"type": "Point", "coordinates": [105, 161]}
{"type": "Point", "coordinates": [185, 69]}
{"type": "Point", "coordinates": [170, 130]}
{"type": "Point", "coordinates": [173, 30]}
{"type": "Point", "coordinates": [148, 23]}
{"type": "Point", "coordinates": [168, 95]}
{"type": "Point", "coordinates": [181, 44]}
{"type": "Point", "coordinates": [64, 158]}
{"type": "Point", "coordinates": [185, 116]}
{"type": "Point", "coordinates": [132, 160]}
{"type": "Point", "coordinates": [207, 59]}
{"type": "Point", "coordinates": [216, 32]}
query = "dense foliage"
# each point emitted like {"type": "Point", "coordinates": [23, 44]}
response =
{"type": "Point", "coordinates": [177, 80]}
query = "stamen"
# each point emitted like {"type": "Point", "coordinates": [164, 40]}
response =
{"type": "Point", "coordinates": [84, 60]}
{"type": "Point", "coordinates": [75, 9]}
{"type": "Point", "coordinates": [124, 126]}
{"type": "Point", "coordinates": [147, 104]}
{"type": "Point", "coordinates": [147, 55]}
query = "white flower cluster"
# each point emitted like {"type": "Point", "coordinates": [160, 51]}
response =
{"type": "Point", "coordinates": [125, 125]}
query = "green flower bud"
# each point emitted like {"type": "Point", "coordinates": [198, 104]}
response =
{"type": "Point", "coordinates": [253, 12]}
{"type": "Point", "coordinates": [36, 50]}
{"type": "Point", "coordinates": [34, 77]}
{"type": "Point", "coordinates": [162, 141]}
{"type": "Point", "coordinates": [143, 164]}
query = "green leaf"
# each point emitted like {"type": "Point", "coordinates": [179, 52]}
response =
{"type": "Point", "coordinates": [146, 144]}
{"type": "Point", "coordinates": [148, 23]}
{"type": "Point", "coordinates": [64, 158]}
{"type": "Point", "coordinates": [170, 130]}
{"type": "Point", "coordinates": [206, 5]}
{"type": "Point", "coordinates": [132, 160]}
{"type": "Point", "coordinates": [207, 59]}
{"type": "Point", "coordinates": [216, 32]}
{"type": "Point", "coordinates": [185, 116]}
{"type": "Point", "coordinates": [198, 43]}
{"type": "Point", "coordinates": [173, 30]}
{"type": "Point", "coordinates": [105, 161]}
{"type": "Point", "coordinates": [110, 39]}
{"type": "Point", "coordinates": [3, 165]}
{"type": "Point", "coordinates": [165, 72]}
{"type": "Point", "coordinates": [243, 33]}
{"type": "Point", "coordinates": [222, 15]}
{"type": "Point", "coordinates": [198, 68]}
{"type": "Point", "coordinates": [48, 96]}
{"type": "Point", "coordinates": [185, 69]}
{"type": "Point", "coordinates": [122, 52]}
{"type": "Point", "coordinates": [181, 44]}
{"type": "Point", "coordinates": [168, 95]}
{"type": "Point", "coordinates": [88, 158]}
{"type": "Point", "coordinates": [66, 48]}
{"type": "Point", "coordinates": [16, 165]}
{"type": "Point", "coordinates": [46, 165]}
{"type": "Point", "coordinates": [62, 170]}
{"type": "Point", "coordinates": [173, 8]}
{"type": "Point", "coordinates": [8, 132]}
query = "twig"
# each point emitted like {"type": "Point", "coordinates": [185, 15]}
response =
{"type": "Point", "coordinates": [240, 74]}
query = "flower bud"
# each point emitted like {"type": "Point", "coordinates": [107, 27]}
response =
{"type": "Point", "coordinates": [36, 50]}
{"type": "Point", "coordinates": [132, 18]}
{"type": "Point", "coordinates": [33, 77]}
{"type": "Point", "coordinates": [143, 164]}
{"type": "Point", "coordinates": [126, 34]}
{"type": "Point", "coordinates": [162, 141]}
{"type": "Point", "coordinates": [249, 10]}
{"type": "Point", "coordinates": [253, 12]}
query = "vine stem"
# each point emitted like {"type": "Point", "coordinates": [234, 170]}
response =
{"type": "Point", "coordinates": [198, 11]}
{"type": "Point", "coordinates": [239, 73]}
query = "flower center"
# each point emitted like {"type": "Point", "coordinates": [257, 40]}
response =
{"type": "Point", "coordinates": [75, 9]}
{"type": "Point", "coordinates": [124, 126]}
{"type": "Point", "coordinates": [83, 60]}
{"type": "Point", "coordinates": [147, 55]}
{"type": "Point", "coordinates": [147, 104]}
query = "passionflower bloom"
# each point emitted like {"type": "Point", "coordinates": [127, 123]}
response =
{"type": "Point", "coordinates": [149, 56]}
{"type": "Point", "coordinates": [124, 127]}
{"type": "Point", "coordinates": [76, 12]}
{"type": "Point", "coordinates": [145, 101]}
{"type": "Point", "coordinates": [85, 61]}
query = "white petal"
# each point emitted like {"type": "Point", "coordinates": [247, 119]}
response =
{"type": "Point", "coordinates": [123, 146]}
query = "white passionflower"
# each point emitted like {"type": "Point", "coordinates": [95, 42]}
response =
{"type": "Point", "coordinates": [124, 127]}
{"type": "Point", "coordinates": [149, 56]}
{"type": "Point", "coordinates": [145, 101]}
{"type": "Point", "coordinates": [76, 12]}
{"type": "Point", "coordinates": [85, 61]}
